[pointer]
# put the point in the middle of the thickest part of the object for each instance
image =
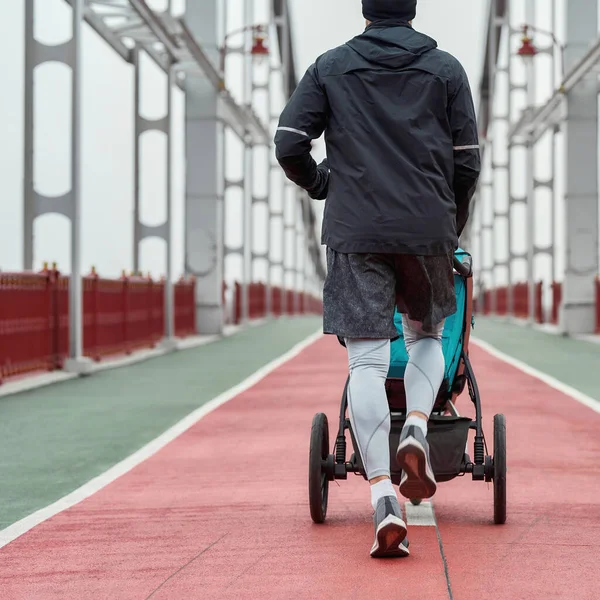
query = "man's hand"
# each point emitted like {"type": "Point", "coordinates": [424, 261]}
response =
{"type": "Point", "coordinates": [321, 188]}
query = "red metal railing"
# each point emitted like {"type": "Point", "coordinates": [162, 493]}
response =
{"type": "Point", "coordinates": [257, 301]}
{"type": "Point", "coordinates": [138, 311]}
{"type": "Point", "coordinates": [290, 302]}
{"type": "Point", "coordinates": [296, 303]}
{"type": "Point", "coordinates": [521, 301]}
{"type": "Point", "coordinates": [520, 298]}
{"type": "Point", "coordinates": [502, 301]}
{"type": "Point", "coordinates": [185, 307]}
{"type": "Point", "coordinates": [237, 303]}
{"type": "Point", "coordinates": [60, 319]}
{"type": "Point", "coordinates": [539, 302]}
{"type": "Point", "coordinates": [26, 323]}
{"type": "Point", "coordinates": [104, 310]}
{"type": "Point", "coordinates": [119, 316]}
{"type": "Point", "coordinates": [277, 301]}
{"type": "Point", "coordinates": [158, 310]}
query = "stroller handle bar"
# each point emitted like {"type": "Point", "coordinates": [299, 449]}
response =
{"type": "Point", "coordinates": [464, 267]}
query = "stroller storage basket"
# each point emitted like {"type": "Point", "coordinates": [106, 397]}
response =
{"type": "Point", "coordinates": [447, 437]}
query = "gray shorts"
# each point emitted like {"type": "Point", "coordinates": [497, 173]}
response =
{"type": "Point", "coordinates": [362, 290]}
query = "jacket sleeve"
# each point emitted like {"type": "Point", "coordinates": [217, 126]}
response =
{"type": "Point", "coordinates": [467, 160]}
{"type": "Point", "coordinates": [303, 120]}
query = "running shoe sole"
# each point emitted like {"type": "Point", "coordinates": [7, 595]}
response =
{"type": "Point", "coordinates": [389, 537]}
{"type": "Point", "coordinates": [417, 479]}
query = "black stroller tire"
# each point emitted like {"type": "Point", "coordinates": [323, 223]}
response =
{"type": "Point", "coordinates": [318, 482]}
{"type": "Point", "coordinates": [415, 501]}
{"type": "Point", "coordinates": [499, 469]}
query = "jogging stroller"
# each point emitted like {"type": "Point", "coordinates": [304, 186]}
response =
{"type": "Point", "coordinates": [448, 431]}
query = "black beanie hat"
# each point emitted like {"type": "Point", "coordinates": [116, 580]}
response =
{"type": "Point", "coordinates": [379, 10]}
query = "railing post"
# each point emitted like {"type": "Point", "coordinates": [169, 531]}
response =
{"type": "Point", "coordinates": [161, 308]}
{"type": "Point", "coordinates": [54, 277]}
{"type": "Point", "coordinates": [90, 309]}
{"type": "Point", "coordinates": [125, 308]}
{"type": "Point", "coordinates": [539, 308]}
{"type": "Point", "coordinates": [51, 323]}
{"type": "Point", "coordinates": [556, 300]}
{"type": "Point", "coordinates": [237, 310]}
{"type": "Point", "coordinates": [149, 302]}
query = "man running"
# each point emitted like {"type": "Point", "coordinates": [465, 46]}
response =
{"type": "Point", "coordinates": [402, 166]}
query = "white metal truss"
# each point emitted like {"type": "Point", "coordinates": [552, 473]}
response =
{"type": "Point", "coordinates": [534, 123]}
{"type": "Point", "coordinates": [123, 24]}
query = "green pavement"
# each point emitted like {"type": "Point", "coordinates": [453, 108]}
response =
{"type": "Point", "coordinates": [55, 439]}
{"type": "Point", "coordinates": [571, 361]}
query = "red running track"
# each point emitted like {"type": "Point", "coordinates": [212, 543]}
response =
{"type": "Point", "coordinates": [221, 512]}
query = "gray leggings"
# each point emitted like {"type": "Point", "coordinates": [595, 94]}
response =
{"type": "Point", "coordinates": [369, 362]}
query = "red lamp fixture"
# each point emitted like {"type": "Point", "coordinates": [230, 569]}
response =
{"type": "Point", "coordinates": [259, 51]}
{"type": "Point", "coordinates": [527, 50]}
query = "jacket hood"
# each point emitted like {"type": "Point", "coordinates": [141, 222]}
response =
{"type": "Point", "coordinates": [392, 46]}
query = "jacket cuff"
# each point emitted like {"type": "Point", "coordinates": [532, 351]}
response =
{"type": "Point", "coordinates": [321, 187]}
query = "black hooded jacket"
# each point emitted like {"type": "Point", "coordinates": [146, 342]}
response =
{"type": "Point", "coordinates": [402, 144]}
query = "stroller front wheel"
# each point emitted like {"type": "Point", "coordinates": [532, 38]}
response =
{"type": "Point", "coordinates": [415, 501]}
{"type": "Point", "coordinates": [318, 481]}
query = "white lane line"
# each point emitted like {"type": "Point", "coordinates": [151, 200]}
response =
{"type": "Point", "coordinates": [17, 529]}
{"type": "Point", "coordinates": [421, 515]}
{"type": "Point", "coordinates": [547, 379]}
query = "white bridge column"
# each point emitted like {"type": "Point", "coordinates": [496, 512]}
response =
{"type": "Point", "coordinates": [204, 175]}
{"type": "Point", "coordinates": [581, 161]}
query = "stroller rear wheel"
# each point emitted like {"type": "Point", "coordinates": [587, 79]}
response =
{"type": "Point", "coordinates": [499, 469]}
{"type": "Point", "coordinates": [318, 481]}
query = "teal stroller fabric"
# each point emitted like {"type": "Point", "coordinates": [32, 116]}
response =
{"type": "Point", "coordinates": [453, 335]}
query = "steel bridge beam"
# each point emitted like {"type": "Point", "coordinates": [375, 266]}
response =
{"type": "Point", "coordinates": [554, 111]}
